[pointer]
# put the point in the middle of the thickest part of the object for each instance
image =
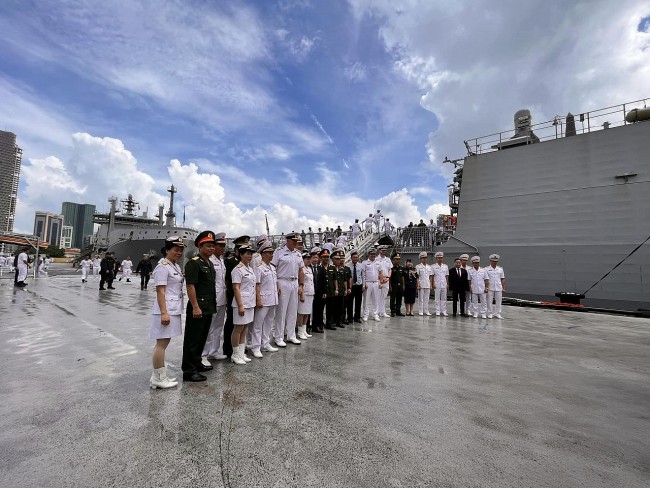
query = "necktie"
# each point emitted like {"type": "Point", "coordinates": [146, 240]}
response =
{"type": "Point", "coordinates": [354, 274]}
{"type": "Point", "coordinates": [459, 272]}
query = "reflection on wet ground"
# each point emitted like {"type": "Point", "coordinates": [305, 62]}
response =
{"type": "Point", "coordinates": [542, 398]}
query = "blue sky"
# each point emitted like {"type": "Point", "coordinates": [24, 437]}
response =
{"type": "Point", "coordinates": [312, 112]}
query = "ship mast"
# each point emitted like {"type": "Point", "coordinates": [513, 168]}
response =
{"type": "Point", "coordinates": [171, 215]}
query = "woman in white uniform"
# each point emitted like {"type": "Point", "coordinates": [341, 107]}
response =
{"type": "Point", "coordinates": [243, 303]}
{"type": "Point", "coordinates": [167, 309]}
{"type": "Point", "coordinates": [306, 301]}
{"type": "Point", "coordinates": [266, 292]}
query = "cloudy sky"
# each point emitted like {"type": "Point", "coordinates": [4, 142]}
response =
{"type": "Point", "coordinates": [311, 111]}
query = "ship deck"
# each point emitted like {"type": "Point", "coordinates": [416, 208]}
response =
{"type": "Point", "coordinates": [542, 398]}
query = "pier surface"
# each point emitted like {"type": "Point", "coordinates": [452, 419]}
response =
{"type": "Point", "coordinates": [540, 399]}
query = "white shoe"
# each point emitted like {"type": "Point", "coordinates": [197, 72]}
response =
{"type": "Point", "coordinates": [270, 348]}
{"type": "Point", "coordinates": [306, 334]}
{"type": "Point", "coordinates": [428, 313]}
{"type": "Point", "coordinates": [235, 357]}
{"type": "Point", "coordinates": [205, 362]}
{"type": "Point", "coordinates": [483, 316]}
{"type": "Point", "coordinates": [437, 314]}
{"type": "Point", "coordinates": [499, 316]}
{"type": "Point", "coordinates": [294, 341]}
{"type": "Point", "coordinates": [365, 319]}
{"type": "Point", "coordinates": [386, 315]}
{"type": "Point", "coordinates": [257, 353]}
{"type": "Point", "coordinates": [160, 380]}
{"type": "Point", "coordinates": [377, 318]}
{"type": "Point", "coordinates": [421, 314]}
{"type": "Point", "coordinates": [301, 333]}
{"type": "Point", "coordinates": [489, 316]}
{"type": "Point", "coordinates": [475, 315]}
{"type": "Point", "coordinates": [217, 357]}
{"type": "Point", "coordinates": [280, 343]}
{"type": "Point", "coordinates": [445, 314]}
{"type": "Point", "coordinates": [242, 353]}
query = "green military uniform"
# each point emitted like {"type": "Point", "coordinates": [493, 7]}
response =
{"type": "Point", "coordinates": [397, 289]}
{"type": "Point", "coordinates": [200, 273]}
{"type": "Point", "coordinates": [331, 287]}
{"type": "Point", "coordinates": [339, 299]}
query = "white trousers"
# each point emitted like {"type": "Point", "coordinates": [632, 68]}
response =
{"type": "Point", "coordinates": [468, 301]}
{"type": "Point", "coordinates": [126, 273]}
{"type": "Point", "coordinates": [96, 271]}
{"type": "Point", "coordinates": [371, 294]}
{"type": "Point", "coordinates": [286, 312]}
{"type": "Point", "coordinates": [383, 294]}
{"type": "Point", "coordinates": [440, 297]}
{"type": "Point", "coordinates": [22, 272]}
{"type": "Point", "coordinates": [213, 342]}
{"type": "Point", "coordinates": [84, 273]}
{"type": "Point", "coordinates": [423, 300]}
{"type": "Point", "coordinates": [496, 308]}
{"type": "Point", "coordinates": [476, 307]}
{"type": "Point", "coordinates": [259, 335]}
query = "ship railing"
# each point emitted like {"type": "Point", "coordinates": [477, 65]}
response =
{"type": "Point", "coordinates": [417, 239]}
{"type": "Point", "coordinates": [585, 122]}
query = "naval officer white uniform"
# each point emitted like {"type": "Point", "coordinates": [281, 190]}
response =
{"type": "Point", "coordinates": [214, 342]}
{"type": "Point", "coordinates": [441, 284]}
{"type": "Point", "coordinates": [497, 287]}
{"type": "Point", "coordinates": [289, 267]}
{"type": "Point", "coordinates": [97, 266]}
{"type": "Point", "coordinates": [266, 303]}
{"type": "Point", "coordinates": [478, 282]}
{"type": "Point", "coordinates": [372, 274]}
{"type": "Point", "coordinates": [85, 264]}
{"type": "Point", "coordinates": [126, 265]}
{"type": "Point", "coordinates": [386, 266]}
{"type": "Point", "coordinates": [425, 272]}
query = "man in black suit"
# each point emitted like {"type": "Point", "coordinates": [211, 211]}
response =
{"type": "Point", "coordinates": [319, 293]}
{"type": "Point", "coordinates": [459, 284]}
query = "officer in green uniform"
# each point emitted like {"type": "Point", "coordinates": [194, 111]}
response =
{"type": "Point", "coordinates": [348, 290]}
{"type": "Point", "coordinates": [230, 264]}
{"type": "Point", "coordinates": [201, 304]}
{"type": "Point", "coordinates": [396, 287]}
{"type": "Point", "coordinates": [341, 288]}
{"type": "Point", "coordinates": [331, 290]}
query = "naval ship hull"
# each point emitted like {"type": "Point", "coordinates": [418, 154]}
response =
{"type": "Point", "coordinates": [562, 214]}
{"type": "Point", "coordinates": [139, 241]}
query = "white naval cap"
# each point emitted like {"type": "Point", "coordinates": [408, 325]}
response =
{"type": "Point", "coordinates": [494, 257]}
{"type": "Point", "coordinates": [315, 250]}
{"type": "Point", "coordinates": [260, 239]}
{"type": "Point", "coordinates": [464, 256]}
{"type": "Point", "coordinates": [476, 259]}
{"type": "Point", "coordinates": [440, 254]}
{"type": "Point", "coordinates": [423, 254]}
{"type": "Point", "coordinates": [266, 246]}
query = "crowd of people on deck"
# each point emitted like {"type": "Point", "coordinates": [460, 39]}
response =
{"type": "Point", "coordinates": [262, 298]}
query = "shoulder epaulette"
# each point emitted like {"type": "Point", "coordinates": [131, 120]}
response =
{"type": "Point", "coordinates": [195, 258]}
{"type": "Point", "coordinates": [164, 262]}
{"type": "Point", "coordinates": [240, 265]}
{"type": "Point", "coordinates": [260, 264]}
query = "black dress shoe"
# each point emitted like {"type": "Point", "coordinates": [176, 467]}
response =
{"type": "Point", "coordinates": [203, 368]}
{"type": "Point", "coordinates": [102, 288]}
{"type": "Point", "coordinates": [341, 326]}
{"type": "Point", "coordinates": [317, 330]}
{"type": "Point", "coordinates": [111, 287]}
{"type": "Point", "coordinates": [392, 314]}
{"type": "Point", "coordinates": [400, 314]}
{"type": "Point", "coordinates": [330, 327]}
{"type": "Point", "coordinates": [358, 321]}
{"type": "Point", "coordinates": [194, 377]}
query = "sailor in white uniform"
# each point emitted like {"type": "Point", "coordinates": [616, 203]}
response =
{"type": "Point", "coordinates": [377, 219]}
{"type": "Point", "coordinates": [289, 266]}
{"type": "Point", "coordinates": [329, 245]}
{"type": "Point", "coordinates": [441, 284]}
{"type": "Point", "coordinates": [497, 286]}
{"type": "Point", "coordinates": [85, 264]}
{"type": "Point", "coordinates": [243, 304]}
{"type": "Point", "coordinates": [167, 309]}
{"type": "Point", "coordinates": [386, 266]}
{"type": "Point", "coordinates": [425, 281]}
{"type": "Point", "coordinates": [97, 266]}
{"type": "Point", "coordinates": [257, 257]}
{"type": "Point", "coordinates": [356, 229]}
{"type": "Point", "coordinates": [369, 222]}
{"type": "Point", "coordinates": [126, 265]}
{"type": "Point", "coordinates": [266, 292]}
{"type": "Point", "coordinates": [340, 242]}
{"type": "Point", "coordinates": [214, 341]}
{"type": "Point", "coordinates": [372, 275]}
{"type": "Point", "coordinates": [22, 266]}
{"type": "Point", "coordinates": [479, 283]}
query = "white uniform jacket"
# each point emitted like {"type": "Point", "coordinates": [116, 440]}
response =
{"type": "Point", "coordinates": [219, 280]}
{"type": "Point", "coordinates": [245, 276]}
{"type": "Point", "coordinates": [266, 277]}
{"type": "Point", "coordinates": [495, 275]}
{"type": "Point", "coordinates": [477, 279]}
{"type": "Point", "coordinates": [440, 271]}
{"type": "Point", "coordinates": [169, 275]}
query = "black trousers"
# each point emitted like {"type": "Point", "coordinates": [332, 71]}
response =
{"type": "Point", "coordinates": [228, 326]}
{"type": "Point", "coordinates": [330, 310]}
{"type": "Point", "coordinates": [144, 280]}
{"type": "Point", "coordinates": [396, 301]}
{"type": "Point", "coordinates": [317, 311]}
{"type": "Point", "coordinates": [196, 333]}
{"type": "Point", "coordinates": [354, 302]}
{"type": "Point", "coordinates": [106, 278]}
{"type": "Point", "coordinates": [455, 296]}
{"type": "Point", "coordinates": [338, 309]}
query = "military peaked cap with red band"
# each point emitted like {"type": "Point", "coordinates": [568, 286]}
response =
{"type": "Point", "coordinates": [203, 237]}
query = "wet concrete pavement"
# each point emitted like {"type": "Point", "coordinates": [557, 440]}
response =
{"type": "Point", "coordinates": [542, 398]}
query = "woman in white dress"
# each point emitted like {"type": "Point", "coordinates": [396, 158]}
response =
{"type": "Point", "coordinates": [307, 299]}
{"type": "Point", "coordinates": [167, 309]}
{"type": "Point", "coordinates": [243, 303]}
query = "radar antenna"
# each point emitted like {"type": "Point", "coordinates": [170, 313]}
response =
{"type": "Point", "coordinates": [171, 215]}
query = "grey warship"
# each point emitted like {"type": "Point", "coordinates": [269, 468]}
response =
{"type": "Point", "coordinates": [125, 233]}
{"type": "Point", "coordinates": [565, 203]}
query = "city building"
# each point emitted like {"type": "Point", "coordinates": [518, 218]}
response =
{"type": "Point", "coordinates": [79, 216]}
{"type": "Point", "coordinates": [66, 237]}
{"type": "Point", "coordinates": [10, 160]}
{"type": "Point", "coordinates": [48, 227]}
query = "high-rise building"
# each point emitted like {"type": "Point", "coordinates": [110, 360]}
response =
{"type": "Point", "coordinates": [66, 237]}
{"type": "Point", "coordinates": [48, 227]}
{"type": "Point", "coordinates": [80, 217]}
{"type": "Point", "coordinates": [10, 160]}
